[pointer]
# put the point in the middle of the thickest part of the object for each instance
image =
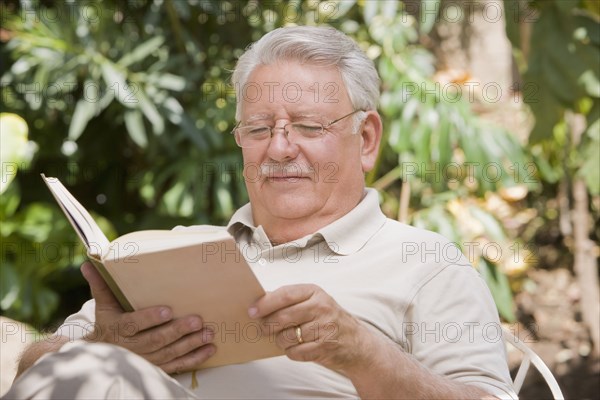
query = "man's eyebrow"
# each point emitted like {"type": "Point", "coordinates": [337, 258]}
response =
{"type": "Point", "coordinates": [305, 116]}
{"type": "Point", "coordinates": [293, 116]}
{"type": "Point", "coordinates": [258, 117]}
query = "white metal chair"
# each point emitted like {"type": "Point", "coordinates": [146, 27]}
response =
{"type": "Point", "coordinates": [530, 357]}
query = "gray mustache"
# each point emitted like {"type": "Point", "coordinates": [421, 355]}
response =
{"type": "Point", "coordinates": [290, 169]}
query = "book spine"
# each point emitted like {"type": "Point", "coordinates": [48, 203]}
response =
{"type": "Point", "coordinates": [114, 288]}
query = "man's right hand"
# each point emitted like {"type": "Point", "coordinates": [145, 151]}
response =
{"type": "Point", "coordinates": [174, 345]}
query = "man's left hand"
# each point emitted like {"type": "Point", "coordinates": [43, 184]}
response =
{"type": "Point", "coordinates": [310, 326]}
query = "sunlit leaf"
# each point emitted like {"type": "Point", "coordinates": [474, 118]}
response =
{"type": "Point", "coordinates": [142, 51]}
{"type": "Point", "coordinates": [13, 147]}
{"type": "Point", "coordinates": [9, 201]}
{"type": "Point", "coordinates": [135, 127]}
{"type": "Point", "coordinates": [590, 169]}
{"type": "Point", "coordinates": [9, 282]}
{"type": "Point", "coordinates": [150, 112]}
{"type": "Point", "coordinates": [590, 82]}
{"type": "Point", "coordinates": [491, 225]}
{"type": "Point", "coordinates": [370, 9]}
{"type": "Point", "coordinates": [170, 81]}
{"type": "Point", "coordinates": [84, 112]}
{"type": "Point", "coordinates": [116, 82]}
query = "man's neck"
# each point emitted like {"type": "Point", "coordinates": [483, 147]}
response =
{"type": "Point", "coordinates": [285, 230]}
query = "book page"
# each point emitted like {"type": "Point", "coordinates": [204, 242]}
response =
{"type": "Point", "coordinates": [88, 231]}
{"type": "Point", "coordinates": [128, 246]}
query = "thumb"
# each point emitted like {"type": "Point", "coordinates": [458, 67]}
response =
{"type": "Point", "coordinates": [100, 290]}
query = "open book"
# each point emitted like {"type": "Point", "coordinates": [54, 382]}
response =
{"type": "Point", "coordinates": [192, 271]}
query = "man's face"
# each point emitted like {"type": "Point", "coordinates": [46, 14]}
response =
{"type": "Point", "coordinates": [323, 179]}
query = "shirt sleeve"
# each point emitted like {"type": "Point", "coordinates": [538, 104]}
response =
{"type": "Point", "coordinates": [79, 324]}
{"type": "Point", "coordinates": [458, 333]}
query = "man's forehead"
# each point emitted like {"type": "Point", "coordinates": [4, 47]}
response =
{"type": "Point", "coordinates": [293, 114]}
{"type": "Point", "coordinates": [292, 76]}
{"type": "Point", "coordinates": [291, 90]}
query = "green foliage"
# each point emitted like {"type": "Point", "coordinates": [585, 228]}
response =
{"type": "Point", "coordinates": [562, 74]}
{"type": "Point", "coordinates": [15, 150]}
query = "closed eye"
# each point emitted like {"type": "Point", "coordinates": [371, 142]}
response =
{"type": "Point", "coordinates": [257, 130]}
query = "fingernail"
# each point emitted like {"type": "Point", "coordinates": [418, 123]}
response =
{"type": "Point", "coordinates": [195, 323]}
{"type": "Point", "coordinates": [211, 351]}
{"type": "Point", "coordinates": [165, 314]}
{"type": "Point", "coordinates": [252, 311]}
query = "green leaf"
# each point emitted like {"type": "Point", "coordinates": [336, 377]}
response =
{"type": "Point", "coordinates": [27, 299]}
{"type": "Point", "coordinates": [370, 10]}
{"type": "Point", "coordinates": [135, 127]}
{"type": "Point", "coordinates": [443, 223]}
{"type": "Point", "coordinates": [544, 125]}
{"type": "Point", "coordinates": [471, 146]}
{"type": "Point", "coordinates": [566, 6]}
{"type": "Point", "coordinates": [173, 197]}
{"type": "Point", "coordinates": [547, 172]}
{"type": "Point", "coordinates": [9, 202]}
{"type": "Point", "coordinates": [499, 287]}
{"type": "Point", "coordinates": [410, 109]}
{"type": "Point", "coordinates": [421, 142]}
{"type": "Point", "coordinates": [38, 222]}
{"type": "Point", "coordinates": [9, 282]}
{"type": "Point", "coordinates": [13, 147]}
{"type": "Point", "coordinates": [444, 144]}
{"type": "Point", "coordinates": [492, 227]}
{"type": "Point", "coordinates": [170, 82]}
{"type": "Point", "coordinates": [590, 169]}
{"type": "Point", "coordinates": [589, 80]}
{"type": "Point", "coordinates": [341, 7]}
{"type": "Point", "coordinates": [396, 135]}
{"type": "Point", "coordinates": [559, 75]}
{"type": "Point", "coordinates": [142, 51]}
{"type": "Point", "coordinates": [587, 27]}
{"type": "Point", "coordinates": [593, 120]}
{"type": "Point", "coordinates": [590, 173]}
{"type": "Point", "coordinates": [514, 11]}
{"type": "Point", "coordinates": [46, 301]}
{"type": "Point", "coordinates": [116, 82]}
{"type": "Point", "coordinates": [150, 112]}
{"type": "Point", "coordinates": [223, 199]}
{"type": "Point", "coordinates": [547, 111]}
{"type": "Point", "coordinates": [84, 112]}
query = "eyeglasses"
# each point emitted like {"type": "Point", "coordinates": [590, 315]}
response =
{"type": "Point", "coordinates": [250, 136]}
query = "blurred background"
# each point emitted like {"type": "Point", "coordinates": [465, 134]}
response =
{"type": "Point", "coordinates": [491, 112]}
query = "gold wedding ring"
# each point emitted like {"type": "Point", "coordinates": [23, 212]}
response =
{"type": "Point", "coordinates": [299, 335]}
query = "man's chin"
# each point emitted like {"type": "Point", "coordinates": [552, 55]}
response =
{"type": "Point", "coordinates": [291, 207]}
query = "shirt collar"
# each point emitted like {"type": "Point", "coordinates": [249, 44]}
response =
{"type": "Point", "coordinates": [344, 236]}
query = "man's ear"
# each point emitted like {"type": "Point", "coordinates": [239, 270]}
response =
{"type": "Point", "coordinates": [370, 140]}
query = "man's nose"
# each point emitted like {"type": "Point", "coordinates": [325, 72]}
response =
{"type": "Point", "coordinates": [280, 148]}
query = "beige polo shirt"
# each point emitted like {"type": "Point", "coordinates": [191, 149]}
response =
{"type": "Point", "coordinates": [412, 285]}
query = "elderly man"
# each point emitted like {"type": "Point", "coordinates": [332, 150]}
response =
{"type": "Point", "coordinates": [366, 307]}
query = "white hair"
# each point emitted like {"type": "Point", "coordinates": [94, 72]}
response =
{"type": "Point", "coordinates": [319, 46]}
